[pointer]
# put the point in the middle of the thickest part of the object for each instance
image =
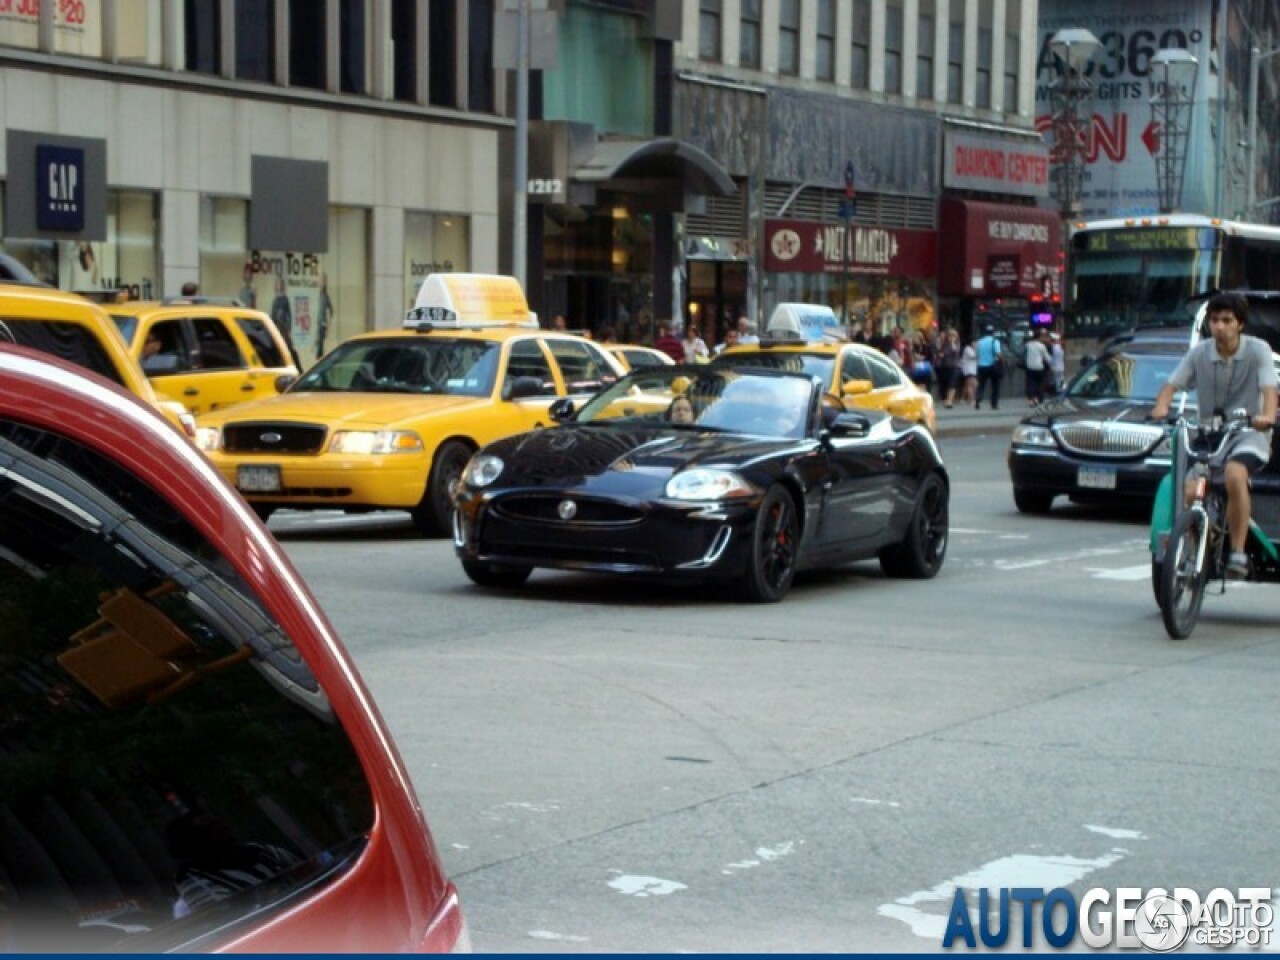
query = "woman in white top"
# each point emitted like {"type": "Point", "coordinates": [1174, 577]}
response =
{"type": "Point", "coordinates": [969, 370]}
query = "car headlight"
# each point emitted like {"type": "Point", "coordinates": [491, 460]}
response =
{"type": "Point", "coordinates": [208, 438]}
{"type": "Point", "coordinates": [482, 470]}
{"type": "Point", "coordinates": [1030, 435]}
{"type": "Point", "coordinates": [375, 441]}
{"type": "Point", "coordinates": [704, 483]}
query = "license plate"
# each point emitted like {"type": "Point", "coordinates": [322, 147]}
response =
{"type": "Point", "coordinates": [1097, 478]}
{"type": "Point", "coordinates": [258, 479]}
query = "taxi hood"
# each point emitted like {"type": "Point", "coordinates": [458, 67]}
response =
{"type": "Point", "coordinates": [345, 410]}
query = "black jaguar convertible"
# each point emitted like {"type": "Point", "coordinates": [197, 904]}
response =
{"type": "Point", "coordinates": [741, 476]}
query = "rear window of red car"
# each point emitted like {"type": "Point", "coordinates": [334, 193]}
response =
{"type": "Point", "coordinates": [169, 765]}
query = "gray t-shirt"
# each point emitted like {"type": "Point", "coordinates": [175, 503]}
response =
{"type": "Point", "coordinates": [1226, 383]}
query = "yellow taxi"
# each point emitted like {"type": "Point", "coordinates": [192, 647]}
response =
{"type": "Point", "coordinates": [636, 357]}
{"type": "Point", "coordinates": [79, 331]}
{"type": "Point", "coordinates": [388, 420]}
{"type": "Point", "coordinates": [205, 353]}
{"type": "Point", "coordinates": [802, 337]}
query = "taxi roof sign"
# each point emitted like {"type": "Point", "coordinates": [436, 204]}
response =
{"type": "Point", "coordinates": [470, 300]}
{"type": "Point", "coordinates": [809, 322]}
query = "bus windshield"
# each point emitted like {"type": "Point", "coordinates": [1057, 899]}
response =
{"type": "Point", "coordinates": [1118, 289]}
{"type": "Point", "coordinates": [1125, 273]}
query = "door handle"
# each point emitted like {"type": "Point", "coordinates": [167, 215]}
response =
{"type": "Point", "coordinates": [246, 387]}
{"type": "Point", "coordinates": [191, 392]}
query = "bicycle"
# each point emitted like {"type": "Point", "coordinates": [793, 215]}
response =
{"type": "Point", "coordinates": [1194, 550]}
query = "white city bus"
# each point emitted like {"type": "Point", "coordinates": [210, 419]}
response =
{"type": "Point", "coordinates": [1125, 272]}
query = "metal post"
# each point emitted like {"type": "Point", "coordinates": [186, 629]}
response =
{"type": "Point", "coordinates": [1250, 178]}
{"type": "Point", "coordinates": [847, 211]}
{"type": "Point", "coordinates": [520, 211]}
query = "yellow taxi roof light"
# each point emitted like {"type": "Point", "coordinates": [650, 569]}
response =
{"type": "Point", "coordinates": [461, 300]}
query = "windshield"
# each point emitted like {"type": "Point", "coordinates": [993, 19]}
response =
{"type": "Point", "coordinates": [417, 365]}
{"type": "Point", "coordinates": [814, 364]}
{"type": "Point", "coordinates": [707, 398]}
{"type": "Point", "coordinates": [1124, 376]}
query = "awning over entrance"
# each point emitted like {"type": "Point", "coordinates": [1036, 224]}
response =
{"type": "Point", "coordinates": [665, 158]}
{"type": "Point", "coordinates": [996, 249]}
{"type": "Point", "coordinates": [662, 174]}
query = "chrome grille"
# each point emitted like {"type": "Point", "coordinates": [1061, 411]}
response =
{"type": "Point", "coordinates": [1108, 439]}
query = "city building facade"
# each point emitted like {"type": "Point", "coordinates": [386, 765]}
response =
{"type": "Point", "coordinates": [887, 160]}
{"type": "Point", "coordinates": [313, 157]}
{"type": "Point", "coordinates": [1226, 173]}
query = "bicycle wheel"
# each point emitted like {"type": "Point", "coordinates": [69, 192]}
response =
{"type": "Point", "coordinates": [1182, 578]}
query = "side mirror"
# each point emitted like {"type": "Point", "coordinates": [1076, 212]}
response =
{"type": "Point", "coordinates": [285, 381]}
{"type": "Point", "coordinates": [854, 388]}
{"type": "Point", "coordinates": [160, 364]}
{"type": "Point", "coordinates": [561, 410]}
{"type": "Point", "coordinates": [518, 388]}
{"type": "Point", "coordinates": [850, 425]}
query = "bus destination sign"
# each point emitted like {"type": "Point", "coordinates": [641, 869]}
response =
{"type": "Point", "coordinates": [1141, 238]}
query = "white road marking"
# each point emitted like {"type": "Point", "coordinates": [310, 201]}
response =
{"type": "Point", "coordinates": [1116, 833]}
{"type": "Point", "coordinates": [501, 812]}
{"type": "Point", "coordinates": [1074, 556]}
{"type": "Point", "coordinates": [762, 855]}
{"type": "Point", "coordinates": [550, 935]}
{"type": "Point", "coordinates": [636, 886]}
{"type": "Point", "coordinates": [1142, 572]}
{"type": "Point", "coordinates": [875, 803]}
{"type": "Point", "coordinates": [1018, 870]}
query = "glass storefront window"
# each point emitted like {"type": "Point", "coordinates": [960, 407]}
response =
{"type": "Point", "coordinates": [433, 243]}
{"type": "Point", "coordinates": [316, 299]}
{"type": "Point", "coordinates": [77, 26]}
{"type": "Point", "coordinates": [139, 35]}
{"type": "Point", "coordinates": [125, 261]}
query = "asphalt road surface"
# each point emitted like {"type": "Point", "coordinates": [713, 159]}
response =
{"type": "Point", "coordinates": [611, 765]}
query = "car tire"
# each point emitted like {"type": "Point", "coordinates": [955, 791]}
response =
{"type": "Point", "coordinates": [1032, 501]}
{"type": "Point", "coordinates": [923, 547]}
{"type": "Point", "coordinates": [434, 515]}
{"type": "Point", "coordinates": [493, 575]}
{"type": "Point", "coordinates": [775, 547]}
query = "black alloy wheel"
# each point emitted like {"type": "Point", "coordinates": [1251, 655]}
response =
{"type": "Point", "coordinates": [434, 515]}
{"type": "Point", "coordinates": [923, 548]}
{"type": "Point", "coordinates": [775, 545]}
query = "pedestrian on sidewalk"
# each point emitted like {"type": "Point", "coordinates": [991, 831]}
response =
{"type": "Point", "coordinates": [990, 367]}
{"type": "Point", "coordinates": [969, 371]}
{"type": "Point", "coordinates": [1038, 366]}
{"type": "Point", "coordinates": [1057, 366]}
{"type": "Point", "coordinates": [949, 366]}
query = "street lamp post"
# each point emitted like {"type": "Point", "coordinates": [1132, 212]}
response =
{"type": "Point", "coordinates": [1173, 91]}
{"type": "Point", "coordinates": [1256, 57]}
{"type": "Point", "coordinates": [1072, 97]}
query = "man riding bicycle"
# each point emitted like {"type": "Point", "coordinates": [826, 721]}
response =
{"type": "Point", "coordinates": [1231, 371]}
